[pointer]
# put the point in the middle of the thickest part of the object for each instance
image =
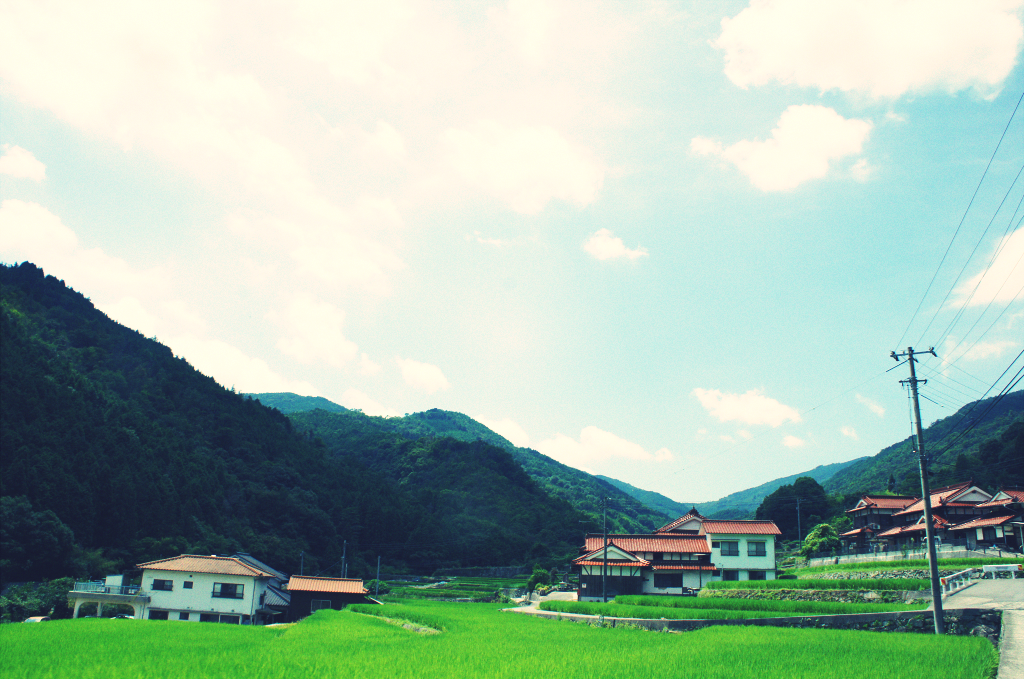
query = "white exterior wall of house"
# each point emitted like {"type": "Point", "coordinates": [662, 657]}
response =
{"type": "Point", "coordinates": [199, 599]}
{"type": "Point", "coordinates": [743, 564]}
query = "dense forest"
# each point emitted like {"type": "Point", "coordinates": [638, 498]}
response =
{"type": "Point", "coordinates": [580, 489]}
{"type": "Point", "coordinates": [115, 452]}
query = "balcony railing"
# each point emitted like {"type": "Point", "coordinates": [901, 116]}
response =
{"type": "Point", "coordinates": [103, 588]}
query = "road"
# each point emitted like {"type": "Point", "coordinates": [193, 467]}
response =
{"type": "Point", "coordinates": [1005, 594]}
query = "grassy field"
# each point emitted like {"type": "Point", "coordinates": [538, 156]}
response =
{"type": "Point", "coordinates": [478, 641]}
{"type": "Point", "coordinates": [716, 609]}
{"type": "Point", "coordinates": [945, 564]}
{"type": "Point", "coordinates": [872, 584]}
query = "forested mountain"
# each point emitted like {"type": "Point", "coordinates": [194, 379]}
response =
{"type": "Point", "coordinates": [580, 489]}
{"type": "Point", "coordinates": [116, 452]}
{"type": "Point", "coordinates": [984, 440]}
{"type": "Point", "coordinates": [744, 504]}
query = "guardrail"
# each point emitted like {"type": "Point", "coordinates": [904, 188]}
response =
{"type": "Point", "coordinates": [957, 581]}
{"type": "Point", "coordinates": [102, 588]}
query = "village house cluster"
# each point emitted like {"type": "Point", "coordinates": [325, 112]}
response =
{"type": "Point", "coordinates": [236, 589]}
{"type": "Point", "coordinates": [963, 515]}
{"type": "Point", "coordinates": [678, 557]}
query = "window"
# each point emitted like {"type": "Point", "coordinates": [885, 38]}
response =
{"type": "Point", "coordinates": [730, 548]}
{"type": "Point", "coordinates": [756, 549]}
{"type": "Point", "coordinates": [158, 615]}
{"type": "Point", "coordinates": [658, 556]}
{"type": "Point", "coordinates": [208, 617]}
{"type": "Point", "coordinates": [163, 585]}
{"type": "Point", "coordinates": [318, 604]}
{"type": "Point", "coordinates": [230, 619]}
{"type": "Point", "coordinates": [714, 545]}
{"type": "Point", "coordinates": [183, 615]}
{"type": "Point", "coordinates": [730, 575]}
{"type": "Point", "coordinates": [227, 590]}
{"type": "Point", "coordinates": [757, 575]}
{"type": "Point", "coordinates": [668, 580]}
{"type": "Point", "coordinates": [188, 584]}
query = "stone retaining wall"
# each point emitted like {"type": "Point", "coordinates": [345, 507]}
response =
{"type": "Point", "coordinates": [962, 622]}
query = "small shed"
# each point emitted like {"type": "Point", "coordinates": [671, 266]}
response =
{"type": "Point", "coordinates": [309, 594]}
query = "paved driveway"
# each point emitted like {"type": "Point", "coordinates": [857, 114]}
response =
{"type": "Point", "coordinates": [1004, 594]}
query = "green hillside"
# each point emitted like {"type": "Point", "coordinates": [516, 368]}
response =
{"type": "Point", "coordinates": [116, 452]}
{"type": "Point", "coordinates": [983, 440]}
{"type": "Point", "coordinates": [579, 489]}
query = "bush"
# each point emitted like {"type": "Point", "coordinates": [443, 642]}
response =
{"type": "Point", "coordinates": [375, 587]}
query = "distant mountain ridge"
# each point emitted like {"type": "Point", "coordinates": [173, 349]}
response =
{"type": "Point", "coordinates": [739, 505]}
{"type": "Point", "coordinates": [582, 490]}
{"type": "Point", "coordinates": [436, 422]}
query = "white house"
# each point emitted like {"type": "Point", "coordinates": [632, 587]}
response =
{"type": "Point", "coordinates": [206, 589]}
{"type": "Point", "coordinates": [684, 554]}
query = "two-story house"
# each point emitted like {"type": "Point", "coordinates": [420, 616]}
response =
{"type": "Point", "coordinates": [681, 555]}
{"type": "Point", "coordinates": [207, 589]}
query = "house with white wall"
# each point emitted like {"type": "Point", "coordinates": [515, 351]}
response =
{"type": "Point", "coordinates": [199, 588]}
{"type": "Point", "coordinates": [682, 555]}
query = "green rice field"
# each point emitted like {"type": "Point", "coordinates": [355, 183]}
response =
{"type": "Point", "coordinates": [478, 640]}
{"type": "Point", "coordinates": [456, 588]}
{"type": "Point", "coordinates": [945, 564]}
{"type": "Point", "coordinates": [715, 609]}
{"type": "Point", "coordinates": [875, 584]}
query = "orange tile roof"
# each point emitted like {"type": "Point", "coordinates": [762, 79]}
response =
{"type": "Point", "coordinates": [856, 531]}
{"type": "Point", "coordinates": [685, 567]}
{"type": "Point", "coordinates": [884, 502]}
{"type": "Point", "coordinates": [940, 497]}
{"type": "Point", "coordinates": [195, 563]}
{"type": "Point", "coordinates": [584, 561]}
{"type": "Point", "coordinates": [309, 583]}
{"type": "Point", "coordinates": [750, 527]}
{"type": "Point", "coordinates": [685, 544]}
{"type": "Point", "coordinates": [692, 514]}
{"type": "Point", "coordinates": [987, 521]}
{"type": "Point", "coordinates": [1015, 494]}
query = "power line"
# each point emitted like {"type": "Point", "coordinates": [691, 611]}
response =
{"type": "Point", "coordinates": [960, 225]}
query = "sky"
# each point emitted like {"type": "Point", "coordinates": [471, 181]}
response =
{"type": "Point", "coordinates": [673, 243]}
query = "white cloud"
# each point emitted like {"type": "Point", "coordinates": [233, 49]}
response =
{"type": "Point", "coordinates": [878, 47]}
{"type": "Point", "coordinates": [423, 376]}
{"type": "Point", "coordinates": [357, 400]}
{"type": "Point", "coordinates": [524, 166]}
{"type": "Point", "coordinates": [507, 428]}
{"type": "Point", "coordinates": [849, 432]}
{"type": "Point", "coordinates": [530, 27]}
{"type": "Point", "coordinates": [596, 445]}
{"type": "Point", "coordinates": [1002, 281]}
{"type": "Point", "coordinates": [367, 366]}
{"type": "Point", "coordinates": [752, 407]}
{"type": "Point", "coordinates": [603, 245]}
{"type": "Point", "coordinates": [314, 332]}
{"type": "Point", "coordinates": [805, 141]}
{"type": "Point", "coordinates": [231, 367]}
{"type": "Point", "coordinates": [870, 405]}
{"type": "Point", "coordinates": [17, 162]}
{"type": "Point", "coordinates": [793, 442]}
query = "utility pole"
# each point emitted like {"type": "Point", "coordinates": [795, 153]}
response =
{"type": "Point", "coordinates": [344, 548]}
{"type": "Point", "coordinates": [933, 563]}
{"type": "Point", "coordinates": [799, 534]}
{"type": "Point", "coordinates": [302, 563]}
{"type": "Point", "coordinates": [376, 589]}
{"type": "Point", "coordinates": [604, 562]}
